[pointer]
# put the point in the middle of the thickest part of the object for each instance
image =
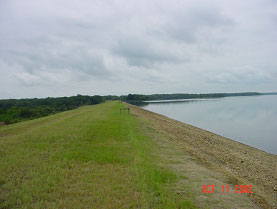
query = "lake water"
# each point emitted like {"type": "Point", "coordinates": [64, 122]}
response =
{"type": "Point", "coordinates": [251, 120]}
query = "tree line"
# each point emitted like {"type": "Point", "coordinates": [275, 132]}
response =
{"type": "Point", "coordinates": [16, 110]}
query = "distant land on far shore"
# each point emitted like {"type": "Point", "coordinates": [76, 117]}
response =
{"type": "Point", "coordinates": [269, 93]}
{"type": "Point", "coordinates": [151, 97]}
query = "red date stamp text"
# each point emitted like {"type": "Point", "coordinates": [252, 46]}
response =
{"type": "Point", "coordinates": [239, 189]}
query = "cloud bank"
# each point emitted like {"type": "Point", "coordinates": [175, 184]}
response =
{"type": "Point", "coordinates": [61, 48]}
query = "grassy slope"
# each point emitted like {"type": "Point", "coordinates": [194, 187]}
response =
{"type": "Point", "coordinates": [92, 157]}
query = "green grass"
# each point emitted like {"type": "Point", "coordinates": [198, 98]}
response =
{"type": "Point", "coordinates": [91, 157]}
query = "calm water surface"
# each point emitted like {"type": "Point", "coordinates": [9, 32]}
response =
{"type": "Point", "coordinates": [251, 120]}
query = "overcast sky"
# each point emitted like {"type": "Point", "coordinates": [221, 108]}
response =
{"type": "Point", "coordinates": [69, 47]}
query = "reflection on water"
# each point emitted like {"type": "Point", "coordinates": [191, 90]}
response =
{"type": "Point", "coordinates": [250, 120]}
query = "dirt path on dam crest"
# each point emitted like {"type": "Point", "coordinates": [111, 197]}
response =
{"type": "Point", "coordinates": [210, 159]}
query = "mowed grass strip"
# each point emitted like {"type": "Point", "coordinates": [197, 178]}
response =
{"type": "Point", "coordinates": [91, 157]}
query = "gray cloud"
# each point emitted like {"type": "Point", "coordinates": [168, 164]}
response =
{"type": "Point", "coordinates": [58, 48]}
{"type": "Point", "coordinates": [243, 74]}
{"type": "Point", "coordinates": [145, 53]}
{"type": "Point", "coordinates": [193, 24]}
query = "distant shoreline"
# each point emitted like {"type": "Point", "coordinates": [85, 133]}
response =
{"type": "Point", "coordinates": [199, 99]}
